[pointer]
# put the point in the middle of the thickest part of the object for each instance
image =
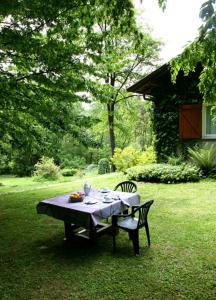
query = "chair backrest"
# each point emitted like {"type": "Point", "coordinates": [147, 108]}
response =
{"type": "Point", "coordinates": [126, 186]}
{"type": "Point", "coordinates": [143, 213]}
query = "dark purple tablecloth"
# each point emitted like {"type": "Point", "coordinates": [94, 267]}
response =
{"type": "Point", "coordinates": [83, 214]}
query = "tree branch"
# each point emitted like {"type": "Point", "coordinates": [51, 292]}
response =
{"type": "Point", "coordinates": [127, 76]}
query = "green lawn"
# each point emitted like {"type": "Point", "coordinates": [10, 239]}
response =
{"type": "Point", "coordinates": [35, 262]}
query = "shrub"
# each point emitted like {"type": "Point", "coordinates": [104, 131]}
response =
{"type": "Point", "coordinates": [148, 156]}
{"type": "Point", "coordinates": [75, 163]}
{"type": "Point", "coordinates": [129, 157]}
{"type": "Point", "coordinates": [91, 167]}
{"type": "Point", "coordinates": [164, 173]}
{"type": "Point", "coordinates": [69, 172]}
{"type": "Point", "coordinates": [103, 166]}
{"type": "Point", "coordinates": [80, 173]}
{"type": "Point", "coordinates": [174, 160]}
{"type": "Point", "coordinates": [126, 158]}
{"type": "Point", "coordinates": [204, 158]}
{"type": "Point", "coordinates": [45, 168]}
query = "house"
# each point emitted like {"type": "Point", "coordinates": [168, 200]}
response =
{"type": "Point", "coordinates": [180, 117]}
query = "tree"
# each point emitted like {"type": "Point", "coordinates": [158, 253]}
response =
{"type": "Point", "coordinates": [44, 52]}
{"type": "Point", "coordinates": [123, 59]}
{"type": "Point", "coordinates": [44, 57]}
{"type": "Point", "coordinates": [133, 124]}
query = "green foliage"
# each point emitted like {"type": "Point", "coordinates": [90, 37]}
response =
{"type": "Point", "coordinates": [91, 167]}
{"type": "Point", "coordinates": [45, 169]}
{"type": "Point", "coordinates": [126, 158]}
{"type": "Point", "coordinates": [202, 51]}
{"type": "Point", "coordinates": [148, 156]}
{"type": "Point", "coordinates": [129, 156]}
{"type": "Point", "coordinates": [164, 173]}
{"type": "Point", "coordinates": [204, 158]}
{"type": "Point", "coordinates": [68, 172]}
{"type": "Point", "coordinates": [76, 162]}
{"type": "Point", "coordinates": [122, 59]}
{"type": "Point", "coordinates": [45, 50]}
{"type": "Point", "coordinates": [165, 122]}
{"type": "Point", "coordinates": [174, 160]}
{"type": "Point", "coordinates": [136, 129]}
{"type": "Point", "coordinates": [103, 166]}
{"type": "Point", "coordinates": [167, 99]}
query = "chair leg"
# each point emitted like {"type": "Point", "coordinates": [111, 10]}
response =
{"type": "Point", "coordinates": [130, 235]}
{"type": "Point", "coordinates": [135, 240]}
{"type": "Point", "coordinates": [147, 234]}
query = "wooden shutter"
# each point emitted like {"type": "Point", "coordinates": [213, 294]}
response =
{"type": "Point", "coordinates": [190, 121]}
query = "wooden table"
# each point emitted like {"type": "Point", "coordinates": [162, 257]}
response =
{"type": "Point", "coordinates": [84, 218]}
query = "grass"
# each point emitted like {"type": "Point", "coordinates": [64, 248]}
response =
{"type": "Point", "coordinates": [35, 262]}
{"type": "Point", "coordinates": [15, 184]}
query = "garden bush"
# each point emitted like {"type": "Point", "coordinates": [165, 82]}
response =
{"type": "Point", "coordinates": [204, 158]}
{"type": "Point", "coordinates": [148, 156]}
{"type": "Point", "coordinates": [174, 160]}
{"type": "Point", "coordinates": [75, 163]}
{"type": "Point", "coordinates": [129, 157]}
{"type": "Point", "coordinates": [103, 166]}
{"type": "Point", "coordinates": [164, 173]}
{"type": "Point", "coordinates": [46, 169]}
{"type": "Point", "coordinates": [69, 172]}
{"type": "Point", "coordinates": [91, 167]}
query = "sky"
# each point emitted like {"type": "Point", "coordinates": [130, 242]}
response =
{"type": "Point", "coordinates": [176, 26]}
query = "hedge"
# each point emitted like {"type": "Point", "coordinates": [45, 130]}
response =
{"type": "Point", "coordinates": [164, 173]}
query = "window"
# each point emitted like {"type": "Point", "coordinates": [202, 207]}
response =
{"type": "Point", "coordinates": [208, 126]}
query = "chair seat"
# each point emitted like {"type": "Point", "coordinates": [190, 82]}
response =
{"type": "Point", "coordinates": [128, 223]}
{"type": "Point", "coordinates": [132, 225]}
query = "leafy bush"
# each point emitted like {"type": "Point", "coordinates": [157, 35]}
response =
{"type": "Point", "coordinates": [75, 163]}
{"type": "Point", "coordinates": [129, 157]}
{"type": "Point", "coordinates": [126, 158]}
{"type": "Point", "coordinates": [103, 166]}
{"type": "Point", "coordinates": [164, 173]}
{"type": "Point", "coordinates": [80, 173]}
{"type": "Point", "coordinates": [148, 156]}
{"type": "Point", "coordinates": [174, 160]}
{"type": "Point", "coordinates": [45, 168]}
{"type": "Point", "coordinates": [6, 166]}
{"type": "Point", "coordinates": [69, 172]}
{"type": "Point", "coordinates": [204, 158]}
{"type": "Point", "coordinates": [91, 167]}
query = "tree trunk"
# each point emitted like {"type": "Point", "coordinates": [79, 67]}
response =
{"type": "Point", "coordinates": [110, 110]}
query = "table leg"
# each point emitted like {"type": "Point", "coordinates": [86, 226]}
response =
{"type": "Point", "coordinates": [92, 232]}
{"type": "Point", "coordinates": [69, 233]}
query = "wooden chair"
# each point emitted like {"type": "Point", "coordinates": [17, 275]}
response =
{"type": "Point", "coordinates": [131, 224]}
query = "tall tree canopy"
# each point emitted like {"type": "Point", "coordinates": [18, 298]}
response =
{"type": "Point", "coordinates": [123, 59]}
{"type": "Point", "coordinates": [44, 47]}
{"type": "Point", "coordinates": [44, 59]}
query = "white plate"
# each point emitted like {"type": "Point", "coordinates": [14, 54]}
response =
{"type": "Point", "coordinates": [107, 200]}
{"type": "Point", "coordinates": [90, 202]}
{"type": "Point", "coordinates": [105, 191]}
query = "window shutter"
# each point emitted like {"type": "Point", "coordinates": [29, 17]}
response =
{"type": "Point", "coordinates": [190, 121]}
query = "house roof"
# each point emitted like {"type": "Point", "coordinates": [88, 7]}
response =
{"type": "Point", "coordinates": [146, 85]}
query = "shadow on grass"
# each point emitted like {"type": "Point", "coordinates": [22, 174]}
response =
{"type": "Point", "coordinates": [79, 251]}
